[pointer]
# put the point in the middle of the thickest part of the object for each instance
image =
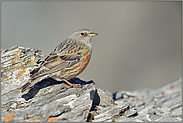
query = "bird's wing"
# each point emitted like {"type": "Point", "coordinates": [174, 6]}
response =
{"type": "Point", "coordinates": [64, 55]}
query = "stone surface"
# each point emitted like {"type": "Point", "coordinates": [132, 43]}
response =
{"type": "Point", "coordinates": [50, 101]}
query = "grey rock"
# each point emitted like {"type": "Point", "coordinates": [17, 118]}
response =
{"type": "Point", "coordinates": [106, 97]}
{"type": "Point", "coordinates": [176, 106]}
{"type": "Point", "coordinates": [169, 119]}
{"type": "Point", "coordinates": [49, 100]}
{"type": "Point", "coordinates": [139, 108]}
{"type": "Point", "coordinates": [39, 104]}
{"type": "Point", "coordinates": [146, 118]}
{"type": "Point", "coordinates": [140, 117]}
{"type": "Point", "coordinates": [177, 111]}
{"type": "Point", "coordinates": [122, 119]}
{"type": "Point", "coordinates": [13, 106]}
{"type": "Point", "coordinates": [130, 113]}
{"type": "Point", "coordinates": [119, 102]}
{"type": "Point", "coordinates": [172, 101]}
{"type": "Point", "coordinates": [155, 117]}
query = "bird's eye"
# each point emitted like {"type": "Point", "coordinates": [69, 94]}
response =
{"type": "Point", "coordinates": [82, 34]}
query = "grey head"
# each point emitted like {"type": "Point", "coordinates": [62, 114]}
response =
{"type": "Point", "coordinates": [83, 35]}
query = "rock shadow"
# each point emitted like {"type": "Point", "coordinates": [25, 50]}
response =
{"type": "Point", "coordinates": [49, 82]}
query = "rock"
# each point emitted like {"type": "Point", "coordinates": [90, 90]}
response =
{"type": "Point", "coordinates": [50, 101]}
{"type": "Point", "coordinates": [131, 113]}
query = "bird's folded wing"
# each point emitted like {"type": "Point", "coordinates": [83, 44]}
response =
{"type": "Point", "coordinates": [59, 59]}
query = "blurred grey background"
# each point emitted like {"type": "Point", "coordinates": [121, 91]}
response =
{"type": "Point", "coordinates": [139, 43]}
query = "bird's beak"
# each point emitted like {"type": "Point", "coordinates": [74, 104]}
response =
{"type": "Point", "coordinates": [92, 34]}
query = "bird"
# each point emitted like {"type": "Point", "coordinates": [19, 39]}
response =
{"type": "Point", "coordinates": [66, 61]}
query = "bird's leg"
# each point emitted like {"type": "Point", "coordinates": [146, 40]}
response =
{"type": "Point", "coordinates": [70, 85]}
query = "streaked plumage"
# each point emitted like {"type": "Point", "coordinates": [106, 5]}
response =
{"type": "Point", "coordinates": [66, 61]}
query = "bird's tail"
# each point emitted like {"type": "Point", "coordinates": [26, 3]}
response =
{"type": "Point", "coordinates": [25, 87]}
{"type": "Point", "coordinates": [31, 82]}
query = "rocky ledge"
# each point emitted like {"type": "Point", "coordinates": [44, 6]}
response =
{"type": "Point", "coordinates": [50, 100]}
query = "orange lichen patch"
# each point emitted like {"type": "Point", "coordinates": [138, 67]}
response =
{"type": "Point", "coordinates": [86, 115]}
{"type": "Point", "coordinates": [34, 119]}
{"type": "Point", "coordinates": [18, 75]}
{"type": "Point", "coordinates": [52, 119]}
{"type": "Point", "coordinates": [8, 116]}
{"type": "Point", "coordinates": [2, 120]}
{"type": "Point", "coordinates": [12, 113]}
{"type": "Point", "coordinates": [3, 52]}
